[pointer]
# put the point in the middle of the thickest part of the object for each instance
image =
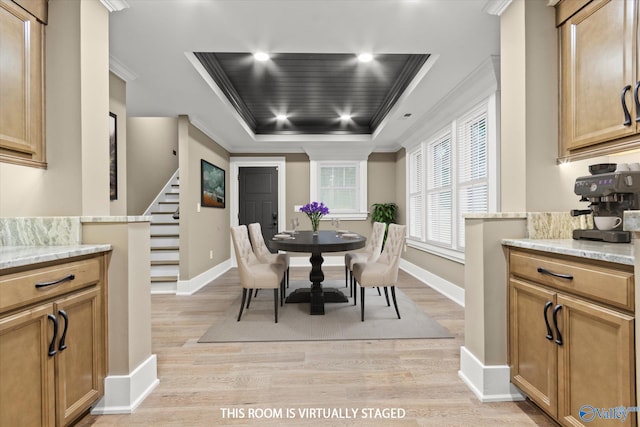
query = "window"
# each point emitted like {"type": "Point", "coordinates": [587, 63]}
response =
{"type": "Point", "coordinates": [439, 191]}
{"type": "Point", "coordinates": [416, 203]}
{"type": "Point", "coordinates": [473, 187]}
{"type": "Point", "coordinates": [341, 185]}
{"type": "Point", "coordinates": [448, 177]}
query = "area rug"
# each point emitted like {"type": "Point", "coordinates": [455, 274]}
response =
{"type": "Point", "coordinates": [341, 321]}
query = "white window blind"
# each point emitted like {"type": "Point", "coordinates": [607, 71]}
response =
{"type": "Point", "coordinates": [416, 198]}
{"type": "Point", "coordinates": [449, 175]}
{"type": "Point", "coordinates": [338, 187]}
{"type": "Point", "coordinates": [472, 153]}
{"type": "Point", "coordinates": [439, 191]}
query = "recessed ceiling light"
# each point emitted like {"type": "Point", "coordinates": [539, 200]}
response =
{"type": "Point", "coordinates": [261, 56]}
{"type": "Point", "coordinates": [345, 117]}
{"type": "Point", "coordinates": [365, 57]}
{"type": "Point", "coordinates": [281, 117]}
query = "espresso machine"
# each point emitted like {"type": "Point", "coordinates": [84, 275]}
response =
{"type": "Point", "coordinates": [609, 193]}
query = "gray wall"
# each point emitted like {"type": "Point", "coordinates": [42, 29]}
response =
{"type": "Point", "coordinates": [207, 230]}
{"type": "Point", "coordinates": [151, 142]}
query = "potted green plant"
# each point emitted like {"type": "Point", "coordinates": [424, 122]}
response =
{"type": "Point", "coordinates": [384, 212]}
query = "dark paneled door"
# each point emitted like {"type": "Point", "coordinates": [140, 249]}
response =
{"type": "Point", "coordinates": [259, 198]}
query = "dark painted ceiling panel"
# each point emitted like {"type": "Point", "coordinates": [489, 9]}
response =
{"type": "Point", "coordinates": [311, 89]}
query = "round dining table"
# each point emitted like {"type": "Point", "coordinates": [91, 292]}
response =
{"type": "Point", "coordinates": [317, 244]}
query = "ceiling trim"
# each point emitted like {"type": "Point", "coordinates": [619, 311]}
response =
{"type": "Point", "coordinates": [477, 86]}
{"type": "Point", "coordinates": [337, 151]}
{"type": "Point", "coordinates": [408, 73]}
{"type": "Point", "coordinates": [120, 70]}
{"type": "Point", "coordinates": [115, 5]}
{"type": "Point", "coordinates": [426, 67]}
{"type": "Point", "coordinates": [216, 90]}
{"type": "Point", "coordinates": [212, 65]}
{"type": "Point", "coordinates": [197, 123]}
{"type": "Point", "coordinates": [213, 70]}
{"type": "Point", "coordinates": [496, 7]}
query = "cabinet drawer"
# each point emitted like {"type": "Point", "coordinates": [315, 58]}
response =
{"type": "Point", "coordinates": [21, 289]}
{"type": "Point", "coordinates": [598, 282]}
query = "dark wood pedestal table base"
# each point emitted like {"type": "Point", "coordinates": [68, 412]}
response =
{"type": "Point", "coordinates": [324, 241]}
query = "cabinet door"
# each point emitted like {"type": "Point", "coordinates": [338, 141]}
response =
{"type": "Point", "coordinates": [597, 51]}
{"type": "Point", "coordinates": [27, 391]}
{"type": "Point", "coordinates": [79, 362]}
{"type": "Point", "coordinates": [533, 357]}
{"type": "Point", "coordinates": [595, 363]}
{"type": "Point", "coordinates": [21, 86]}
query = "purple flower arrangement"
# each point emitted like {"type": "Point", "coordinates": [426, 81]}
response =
{"type": "Point", "coordinates": [315, 211]}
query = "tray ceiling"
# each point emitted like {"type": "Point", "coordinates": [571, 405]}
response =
{"type": "Point", "coordinates": [318, 93]}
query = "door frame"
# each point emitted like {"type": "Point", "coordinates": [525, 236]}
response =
{"type": "Point", "coordinates": [235, 163]}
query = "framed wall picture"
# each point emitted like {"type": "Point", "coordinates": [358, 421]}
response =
{"type": "Point", "coordinates": [212, 181]}
{"type": "Point", "coordinates": [113, 157]}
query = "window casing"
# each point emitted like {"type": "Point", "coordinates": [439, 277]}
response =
{"type": "Point", "coordinates": [450, 174]}
{"type": "Point", "coordinates": [341, 185]}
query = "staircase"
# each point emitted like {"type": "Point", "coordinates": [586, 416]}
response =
{"type": "Point", "coordinates": [165, 239]}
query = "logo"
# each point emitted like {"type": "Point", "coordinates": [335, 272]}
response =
{"type": "Point", "coordinates": [587, 414]}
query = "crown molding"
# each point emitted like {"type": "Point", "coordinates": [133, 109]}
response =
{"type": "Point", "coordinates": [120, 70]}
{"type": "Point", "coordinates": [115, 5]}
{"type": "Point", "coordinates": [496, 7]}
{"type": "Point", "coordinates": [480, 84]}
{"type": "Point", "coordinates": [338, 151]}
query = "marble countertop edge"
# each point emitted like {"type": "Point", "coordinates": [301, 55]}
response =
{"type": "Point", "coordinates": [495, 215]}
{"type": "Point", "coordinates": [18, 256]}
{"type": "Point", "coordinates": [619, 253]}
{"type": "Point", "coordinates": [115, 219]}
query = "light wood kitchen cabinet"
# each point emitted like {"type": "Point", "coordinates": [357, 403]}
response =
{"type": "Point", "coordinates": [22, 118]}
{"type": "Point", "coordinates": [570, 348]}
{"type": "Point", "coordinates": [599, 107]}
{"type": "Point", "coordinates": [52, 346]}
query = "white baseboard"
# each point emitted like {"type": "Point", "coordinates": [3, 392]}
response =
{"type": "Point", "coordinates": [453, 292]}
{"type": "Point", "coordinates": [124, 393]}
{"type": "Point", "coordinates": [163, 288]}
{"type": "Point", "coordinates": [488, 383]}
{"type": "Point", "coordinates": [189, 287]}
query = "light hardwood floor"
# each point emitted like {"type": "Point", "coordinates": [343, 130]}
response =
{"type": "Point", "coordinates": [199, 382]}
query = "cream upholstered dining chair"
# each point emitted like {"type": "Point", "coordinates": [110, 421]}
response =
{"type": "Point", "coordinates": [262, 252]}
{"type": "Point", "coordinates": [253, 273]}
{"type": "Point", "coordinates": [384, 271]}
{"type": "Point", "coordinates": [370, 253]}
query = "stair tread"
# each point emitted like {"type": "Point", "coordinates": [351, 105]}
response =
{"type": "Point", "coordinates": [164, 278]}
{"type": "Point", "coordinates": [163, 213]}
{"type": "Point", "coordinates": [165, 262]}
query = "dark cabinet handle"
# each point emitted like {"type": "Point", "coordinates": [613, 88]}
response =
{"type": "Point", "coordinates": [62, 344]}
{"type": "Point", "coordinates": [555, 324]}
{"type": "Point", "coordinates": [551, 273]}
{"type": "Point", "coordinates": [546, 320]}
{"type": "Point", "coordinates": [66, 278]}
{"type": "Point", "coordinates": [627, 116]}
{"type": "Point", "coordinates": [635, 97]}
{"type": "Point", "coordinates": [52, 344]}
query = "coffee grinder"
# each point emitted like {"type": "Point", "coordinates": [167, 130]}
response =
{"type": "Point", "coordinates": [609, 193]}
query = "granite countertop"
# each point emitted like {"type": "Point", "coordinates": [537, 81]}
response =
{"type": "Point", "coordinates": [620, 253]}
{"type": "Point", "coordinates": [17, 256]}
